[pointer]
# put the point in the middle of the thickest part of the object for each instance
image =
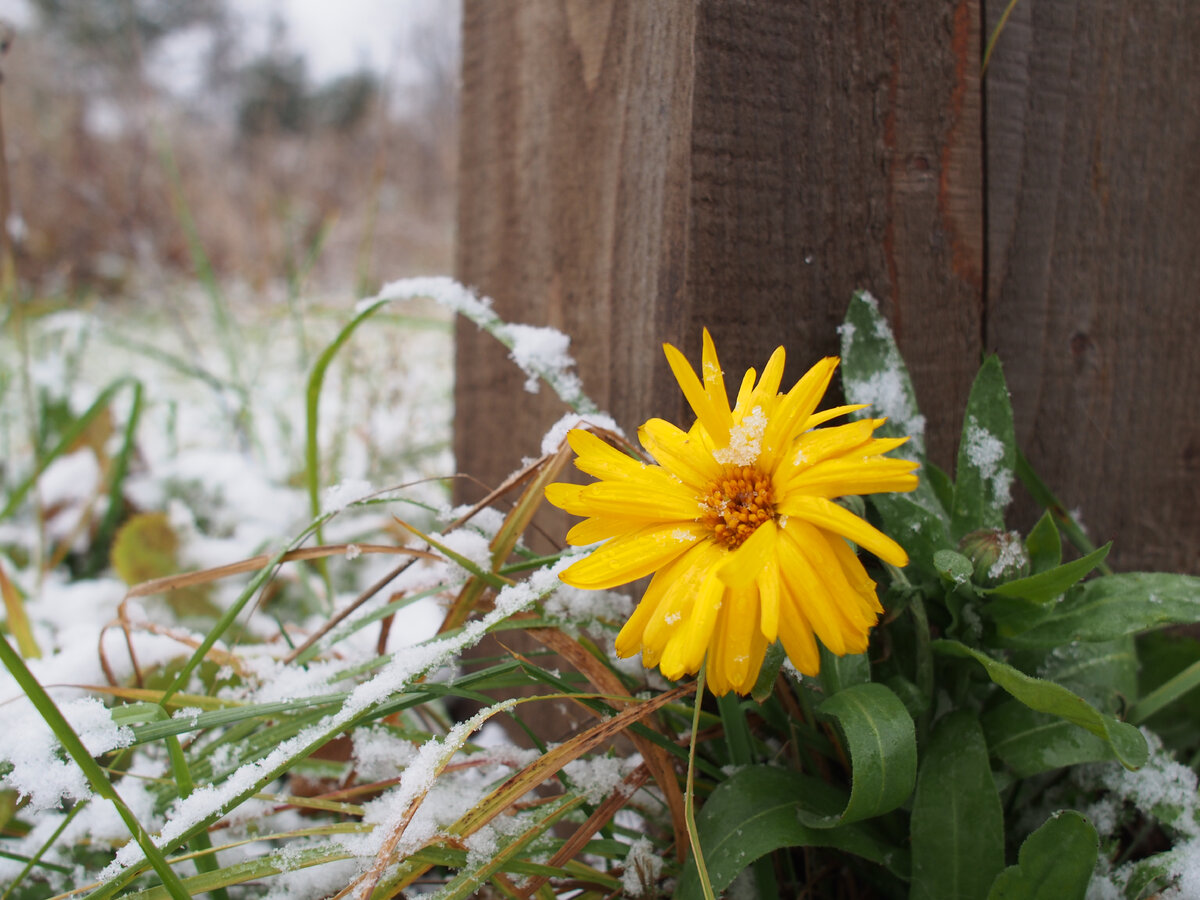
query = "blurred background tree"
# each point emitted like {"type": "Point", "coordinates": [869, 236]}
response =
{"type": "Point", "coordinates": [127, 120]}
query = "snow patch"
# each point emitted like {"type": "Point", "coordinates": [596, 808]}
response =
{"type": "Point", "coordinates": [745, 440]}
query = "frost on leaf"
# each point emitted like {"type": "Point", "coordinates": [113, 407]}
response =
{"type": "Point", "coordinates": [986, 453]}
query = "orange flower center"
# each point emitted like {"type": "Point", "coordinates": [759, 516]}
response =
{"type": "Point", "coordinates": [736, 503]}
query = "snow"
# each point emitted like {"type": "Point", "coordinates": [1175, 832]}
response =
{"type": "Point", "coordinates": [537, 350]}
{"type": "Point", "coordinates": [1012, 557]}
{"type": "Point", "coordinates": [41, 770]}
{"type": "Point", "coordinates": [745, 440]}
{"type": "Point", "coordinates": [643, 866]}
{"type": "Point", "coordinates": [557, 433]}
{"type": "Point", "coordinates": [885, 390]}
{"type": "Point", "coordinates": [986, 453]}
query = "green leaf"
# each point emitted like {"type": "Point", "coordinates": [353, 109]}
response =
{"type": "Point", "coordinates": [1111, 606]}
{"type": "Point", "coordinates": [920, 531]}
{"type": "Point", "coordinates": [873, 372]}
{"type": "Point", "coordinates": [1104, 674]}
{"type": "Point", "coordinates": [95, 774]}
{"type": "Point", "coordinates": [957, 821]}
{"type": "Point", "coordinates": [882, 746]}
{"type": "Point", "coordinates": [1046, 696]}
{"type": "Point", "coordinates": [954, 568]}
{"type": "Point", "coordinates": [987, 455]}
{"type": "Point", "coordinates": [939, 481]}
{"type": "Point", "coordinates": [1046, 586]}
{"type": "Point", "coordinates": [1030, 742]}
{"type": "Point", "coordinates": [753, 812]}
{"type": "Point", "coordinates": [1044, 545]}
{"type": "Point", "coordinates": [840, 672]}
{"type": "Point", "coordinates": [1055, 862]}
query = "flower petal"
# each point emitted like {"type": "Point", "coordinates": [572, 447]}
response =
{"type": "Point", "coordinates": [768, 595]}
{"type": "Point", "coordinates": [840, 477]}
{"type": "Point", "coordinates": [663, 503]}
{"type": "Point", "coordinates": [632, 556]}
{"type": "Point", "coordinates": [796, 635]}
{"type": "Point", "coordinates": [716, 420]}
{"type": "Point", "coordinates": [677, 602]}
{"type": "Point", "coordinates": [679, 452]}
{"type": "Point", "coordinates": [789, 418]}
{"type": "Point", "coordinates": [858, 614]}
{"type": "Point", "coordinates": [828, 515]}
{"type": "Point", "coordinates": [630, 639]}
{"type": "Point", "coordinates": [601, 459]}
{"type": "Point", "coordinates": [806, 589]}
{"type": "Point", "coordinates": [731, 653]}
{"type": "Point", "coordinates": [601, 528]}
{"type": "Point", "coordinates": [714, 378]}
{"type": "Point", "coordinates": [743, 565]}
{"type": "Point", "coordinates": [686, 647]}
{"type": "Point", "coordinates": [832, 413]}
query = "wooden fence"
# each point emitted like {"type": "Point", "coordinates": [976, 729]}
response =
{"type": "Point", "coordinates": [633, 170]}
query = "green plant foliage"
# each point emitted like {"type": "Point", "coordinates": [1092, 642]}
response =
{"type": "Point", "coordinates": [753, 812]}
{"type": "Point", "coordinates": [882, 746]}
{"type": "Point", "coordinates": [957, 822]}
{"type": "Point", "coordinates": [1000, 693]}
{"type": "Point", "coordinates": [1055, 862]}
{"type": "Point", "coordinates": [987, 455]}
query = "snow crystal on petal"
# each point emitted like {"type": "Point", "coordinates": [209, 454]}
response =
{"type": "Point", "coordinates": [745, 440]}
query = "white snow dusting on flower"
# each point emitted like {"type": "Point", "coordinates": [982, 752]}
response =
{"type": "Point", "coordinates": [745, 440]}
{"type": "Point", "coordinates": [1012, 556]}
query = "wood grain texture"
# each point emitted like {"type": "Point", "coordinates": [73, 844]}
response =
{"type": "Point", "coordinates": [631, 172]}
{"type": "Point", "coordinates": [1093, 184]}
{"type": "Point", "coordinates": [573, 176]}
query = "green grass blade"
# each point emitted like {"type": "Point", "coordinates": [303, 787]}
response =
{"type": "Point", "coordinates": [1165, 694]}
{"type": "Point", "coordinates": [98, 557]}
{"type": "Point", "coordinates": [69, 436]}
{"type": "Point", "coordinates": [91, 769]}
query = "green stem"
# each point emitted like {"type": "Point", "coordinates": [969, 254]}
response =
{"type": "Point", "coordinates": [1165, 693]}
{"type": "Point", "coordinates": [689, 805]}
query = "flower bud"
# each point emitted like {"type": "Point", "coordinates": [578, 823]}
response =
{"type": "Point", "coordinates": [998, 556]}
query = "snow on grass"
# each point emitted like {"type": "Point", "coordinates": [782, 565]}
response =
{"type": "Point", "coordinates": [39, 769]}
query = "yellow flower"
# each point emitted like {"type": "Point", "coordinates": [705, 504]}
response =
{"type": "Point", "coordinates": [738, 523]}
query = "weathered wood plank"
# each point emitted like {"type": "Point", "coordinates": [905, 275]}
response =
{"type": "Point", "coordinates": [1093, 179]}
{"type": "Point", "coordinates": [633, 171]}
{"type": "Point", "coordinates": [572, 203]}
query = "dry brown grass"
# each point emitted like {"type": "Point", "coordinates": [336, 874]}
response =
{"type": "Point", "coordinates": [101, 213]}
